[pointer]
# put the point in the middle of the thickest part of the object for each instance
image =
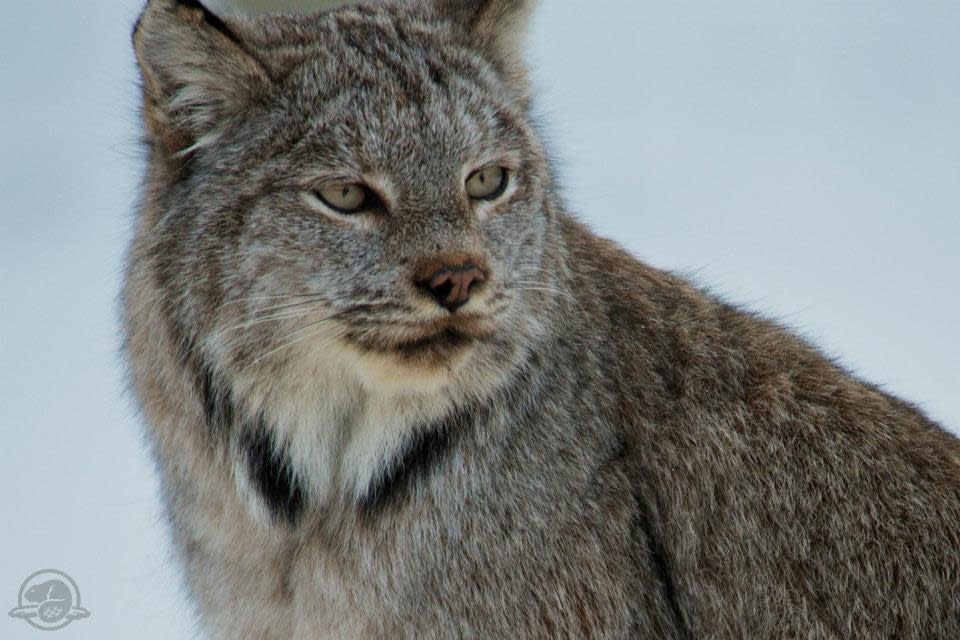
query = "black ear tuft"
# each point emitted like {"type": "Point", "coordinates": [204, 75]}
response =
{"type": "Point", "coordinates": [212, 19]}
{"type": "Point", "coordinates": [196, 73]}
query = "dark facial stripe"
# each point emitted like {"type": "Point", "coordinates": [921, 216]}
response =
{"type": "Point", "coordinates": [414, 464]}
{"type": "Point", "coordinates": [214, 394]}
{"type": "Point", "coordinates": [267, 464]}
{"type": "Point", "coordinates": [270, 471]}
{"type": "Point", "coordinates": [217, 401]}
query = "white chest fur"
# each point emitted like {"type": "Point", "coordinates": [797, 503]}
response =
{"type": "Point", "coordinates": [341, 419]}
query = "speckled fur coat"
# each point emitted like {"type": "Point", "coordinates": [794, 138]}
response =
{"type": "Point", "coordinates": [450, 410]}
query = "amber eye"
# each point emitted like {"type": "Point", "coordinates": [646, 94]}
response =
{"type": "Point", "coordinates": [345, 197]}
{"type": "Point", "coordinates": [488, 183]}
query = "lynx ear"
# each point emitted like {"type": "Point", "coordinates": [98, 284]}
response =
{"type": "Point", "coordinates": [496, 27]}
{"type": "Point", "coordinates": [196, 73]}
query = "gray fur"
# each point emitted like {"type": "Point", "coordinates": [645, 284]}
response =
{"type": "Point", "coordinates": [594, 449]}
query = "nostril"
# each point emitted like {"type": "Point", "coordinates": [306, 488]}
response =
{"type": "Point", "coordinates": [442, 286]}
{"type": "Point", "coordinates": [451, 286]}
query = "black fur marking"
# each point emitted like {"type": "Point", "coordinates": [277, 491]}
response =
{"type": "Point", "coordinates": [217, 400]}
{"type": "Point", "coordinates": [214, 395]}
{"type": "Point", "coordinates": [211, 19]}
{"type": "Point", "coordinates": [271, 473]}
{"type": "Point", "coordinates": [660, 561]}
{"type": "Point", "coordinates": [413, 464]}
{"type": "Point", "coordinates": [268, 465]}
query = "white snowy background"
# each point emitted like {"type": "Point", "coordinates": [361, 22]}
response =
{"type": "Point", "coordinates": [800, 157]}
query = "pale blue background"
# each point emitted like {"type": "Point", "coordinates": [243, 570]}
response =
{"type": "Point", "coordinates": [801, 157]}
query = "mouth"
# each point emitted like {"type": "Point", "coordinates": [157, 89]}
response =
{"type": "Point", "coordinates": [432, 343]}
{"type": "Point", "coordinates": [448, 339]}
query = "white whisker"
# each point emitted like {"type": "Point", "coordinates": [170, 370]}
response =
{"type": "Point", "coordinates": [279, 307]}
{"type": "Point", "coordinates": [260, 298]}
{"type": "Point", "coordinates": [278, 316]}
{"type": "Point", "coordinates": [317, 328]}
{"type": "Point", "coordinates": [528, 287]}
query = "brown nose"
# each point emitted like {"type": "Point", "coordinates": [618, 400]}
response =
{"type": "Point", "coordinates": [450, 286]}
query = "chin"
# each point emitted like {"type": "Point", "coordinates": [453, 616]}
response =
{"type": "Point", "coordinates": [406, 373]}
{"type": "Point", "coordinates": [418, 365]}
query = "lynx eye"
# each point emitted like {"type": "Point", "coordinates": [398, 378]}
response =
{"type": "Point", "coordinates": [346, 197]}
{"type": "Point", "coordinates": [488, 183]}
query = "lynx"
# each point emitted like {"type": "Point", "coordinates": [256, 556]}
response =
{"type": "Point", "coordinates": [396, 390]}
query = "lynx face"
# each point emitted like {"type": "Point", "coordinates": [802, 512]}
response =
{"type": "Point", "coordinates": [345, 224]}
{"type": "Point", "coordinates": [359, 186]}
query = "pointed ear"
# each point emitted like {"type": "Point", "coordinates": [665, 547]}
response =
{"type": "Point", "coordinates": [496, 27]}
{"type": "Point", "coordinates": [196, 74]}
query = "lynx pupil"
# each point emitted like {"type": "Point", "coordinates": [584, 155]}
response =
{"type": "Point", "coordinates": [344, 197]}
{"type": "Point", "coordinates": [487, 183]}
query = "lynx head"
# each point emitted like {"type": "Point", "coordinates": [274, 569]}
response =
{"type": "Point", "coordinates": [361, 185]}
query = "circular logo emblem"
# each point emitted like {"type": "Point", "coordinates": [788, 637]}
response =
{"type": "Point", "coordinates": [49, 600]}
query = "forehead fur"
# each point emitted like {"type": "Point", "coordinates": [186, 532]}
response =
{"type": "Point", "coordinates": [272, 6]}
{"type": "Point", "coordinates": [200, 69]}
{"type": "Point", "coordinates": [403, 50]}
{"type": "Point", "coordinates": [386, 88]}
